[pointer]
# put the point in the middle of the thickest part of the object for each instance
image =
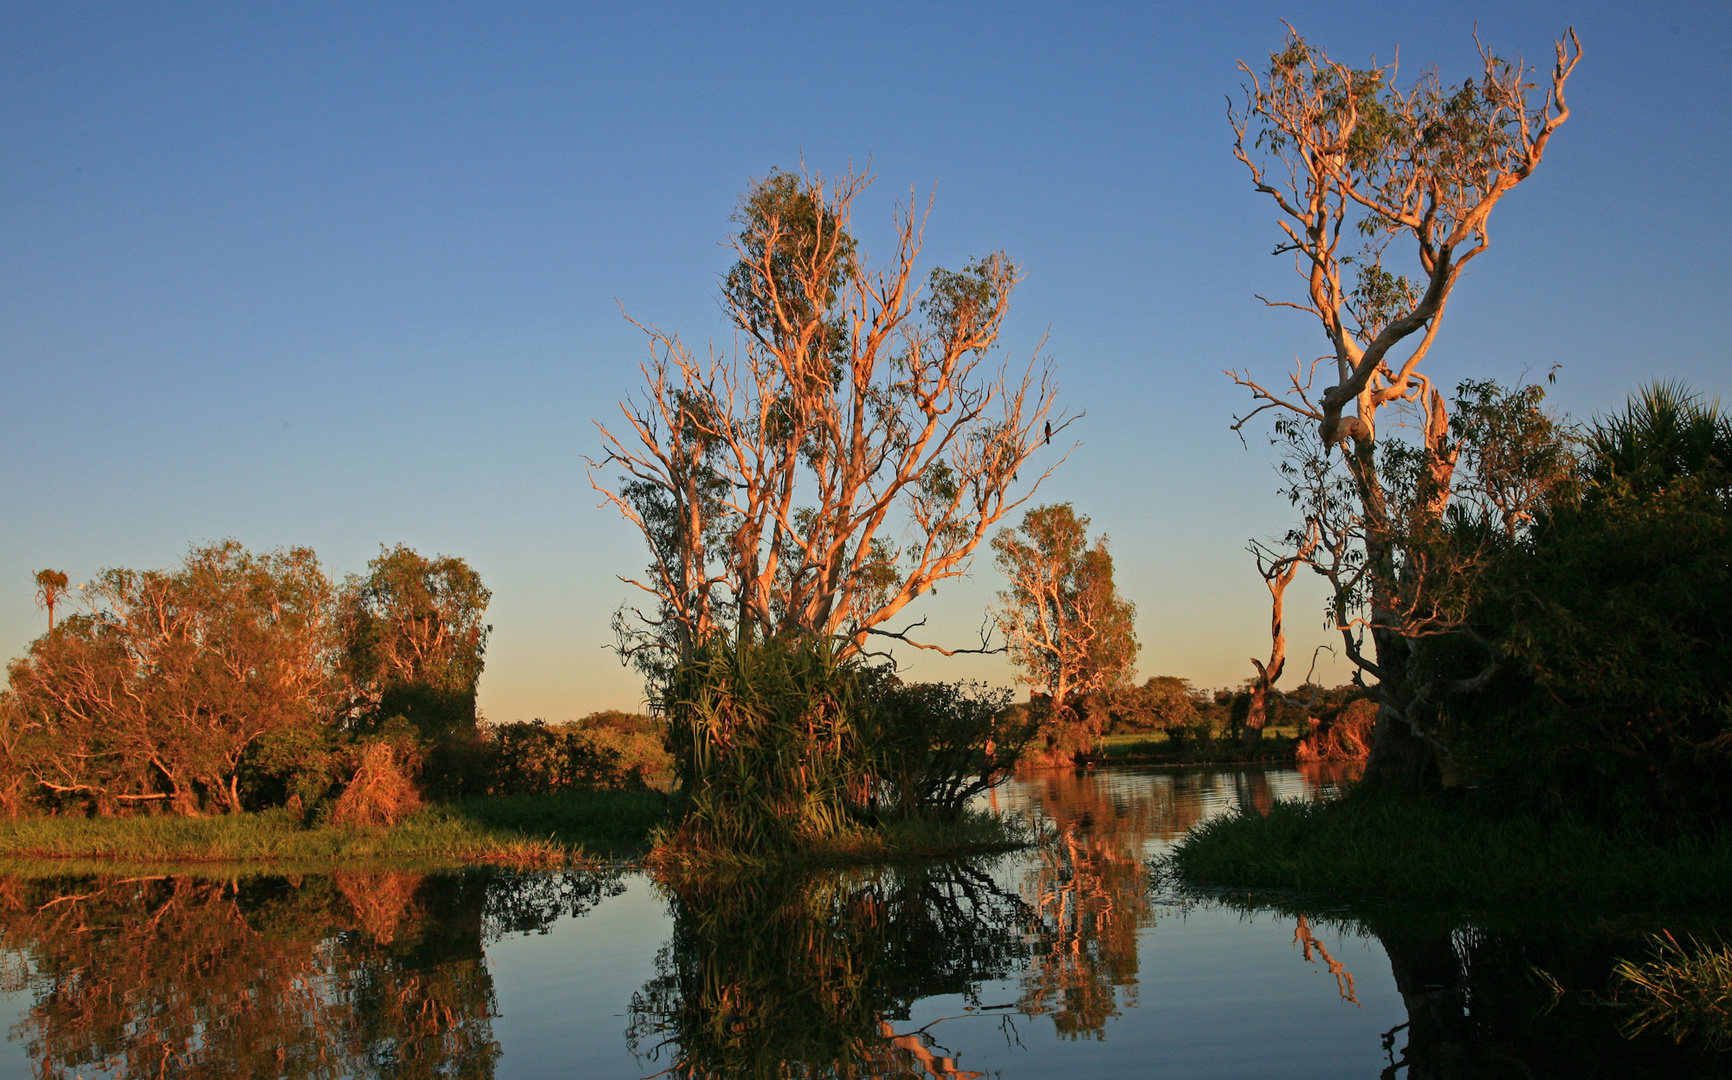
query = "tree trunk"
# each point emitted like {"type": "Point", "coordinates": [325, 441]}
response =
{"type": "Point", "coordinates": [1399, 760]}
{"type": "Point", "coordinates": [1257, 715]}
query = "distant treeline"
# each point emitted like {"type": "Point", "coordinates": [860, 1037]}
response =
{"type": "Point", "coordinates": [1334, 721]}
{"type": "Point", "coordinates": [240, 680]}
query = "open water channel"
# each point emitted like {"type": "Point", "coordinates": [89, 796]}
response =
{"type": "Point", "coordinates": [1070, 960]}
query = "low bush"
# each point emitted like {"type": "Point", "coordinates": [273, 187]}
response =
{"type": "Point", "coordinates": [1344, 736]}
{"type": "Point", "coordinates": [932, 747]}
{"type": "Point", "coordinates": [382, 790]}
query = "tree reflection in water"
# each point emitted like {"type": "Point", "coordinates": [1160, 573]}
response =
{"type": "Point", "coordinates": [352, 975]}
{"type": "Point", "coordinates": [1484, 1003]}
{"type": "Point", "coordinates": [1088, 890]}
{"type": "Point", "coordinates": [775, 976]}
{"type": "Point", "coordinates": [1302, 936]}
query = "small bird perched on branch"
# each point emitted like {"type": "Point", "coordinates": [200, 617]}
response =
{"type": "Point", "coordinates": [1049, 432]}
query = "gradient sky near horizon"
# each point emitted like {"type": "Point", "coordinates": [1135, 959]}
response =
{"type": "Point", "coordinates": [343, 275]}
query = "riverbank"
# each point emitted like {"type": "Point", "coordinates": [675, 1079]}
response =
{"type": "Point", "coordinates": [514, 830]}
{"type": "Point", "coordinates": [1435, 850]}
{"type": "Point", "coordinates": [524, 830]}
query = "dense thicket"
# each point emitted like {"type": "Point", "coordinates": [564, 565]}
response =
{"type": "Point", "coordinates": [783, 743]}
{"type": "Point", "coordinates": [1612, 622]}
{"type": "Point", "coordinates": [161, 690]}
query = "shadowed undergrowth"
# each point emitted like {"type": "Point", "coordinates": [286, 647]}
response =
{"type": "Point", "coordinates": [1426, 850]}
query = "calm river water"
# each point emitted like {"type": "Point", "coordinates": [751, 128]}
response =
{"type": "Point", "coordinates": [1066, 961]}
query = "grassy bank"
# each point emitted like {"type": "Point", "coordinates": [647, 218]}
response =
{"type": "Point", "coordinates": [1432, 850]}
{"type": "Point", "coordinates": [524, 829]}
{"type": "Point", "coordinates": [519, 830]}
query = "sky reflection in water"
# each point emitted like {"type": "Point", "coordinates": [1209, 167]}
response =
{"type": "Point", "coordinates": [1037, 964]}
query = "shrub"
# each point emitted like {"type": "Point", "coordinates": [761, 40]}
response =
{"type": "Point", "coordinates": [931, 747]}
{"type": "Point", "coordinates": [535, 758]}
{"type": "Point", "coordinates": [1344, 737]}
{"type": "Point", "coordinates": [764, 743]}
{"type": "Point", "coordinates": [382, 790]}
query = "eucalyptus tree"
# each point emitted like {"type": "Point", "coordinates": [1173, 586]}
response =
{"type": "Point", "coordinates": [1360, 172]}
{"type": "Point", "coordinates": [1062, 617]}
{"type": "Point", "coordinates": [846, 456]}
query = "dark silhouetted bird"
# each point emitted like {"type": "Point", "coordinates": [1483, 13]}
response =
{"type": "Point", "coordinates": [1049, 432]}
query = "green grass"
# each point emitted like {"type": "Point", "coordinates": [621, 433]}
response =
{"type": "Point", "coordinates": [1683, 992]}
{"type": "Point", "coordinates": [1430, 850]}
{"type": "Point", "coordinates": [520, 830]}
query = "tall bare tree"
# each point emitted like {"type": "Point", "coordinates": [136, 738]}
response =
{"type": "Point", "coordinates": [1278, 569]}
{"type": "Point", "coordinates": [848, 454]}
{"type": "Point", "coordinates": [1344, 153]}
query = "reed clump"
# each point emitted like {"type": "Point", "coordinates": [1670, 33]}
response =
{"type": "Point", "coordinates": [1682, 991]}
{"type": "Point", "coordinates": [788, 750]}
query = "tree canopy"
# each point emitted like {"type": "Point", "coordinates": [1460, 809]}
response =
{"type": "Point", "coordinates": [1062, 617]}
{"type": "Point", "coordinates": [847, 456]}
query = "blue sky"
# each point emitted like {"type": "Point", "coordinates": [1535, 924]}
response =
{"type": "Point", "coordinates": [344, 275]}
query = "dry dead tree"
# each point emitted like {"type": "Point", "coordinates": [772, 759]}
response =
{"type": "Point", "coordinates": [848, 454]}
{"type": "Point", "coordinates": [1344, 152]}
{"type": "Point", "coordinates": [1278, 571]}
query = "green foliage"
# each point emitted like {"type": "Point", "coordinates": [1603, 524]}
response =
{"type": "Point", "coordinates": [536, 758]}
{"type": "Point", "coordinates": [413, 647]}
{"type": "Point", "coordinates": [1159, 704]}
{"type": "Point", "coordinates": [765, 744]}
{"type": "Point", "coordinates": [782, 750]}
{"type": "Point", "coordinates": [1615, 701]}
{"type": "Point", "coordinates": [933, 746]}
{"type": "Point", "coordinates": [787, 226]}
{"type": "Point", "coordinates": [1198, 740]}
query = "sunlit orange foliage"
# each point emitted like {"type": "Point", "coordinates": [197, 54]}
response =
{"type": "Point", "coordinates": [1347, 737]}
{"type": "Point", "coordinates": [382, 791]}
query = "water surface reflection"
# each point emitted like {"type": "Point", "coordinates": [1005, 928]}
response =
{"type": "Point", "coordinates": [1057, 959]}
{"type": "Point", "coordinates": [353, 974]}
